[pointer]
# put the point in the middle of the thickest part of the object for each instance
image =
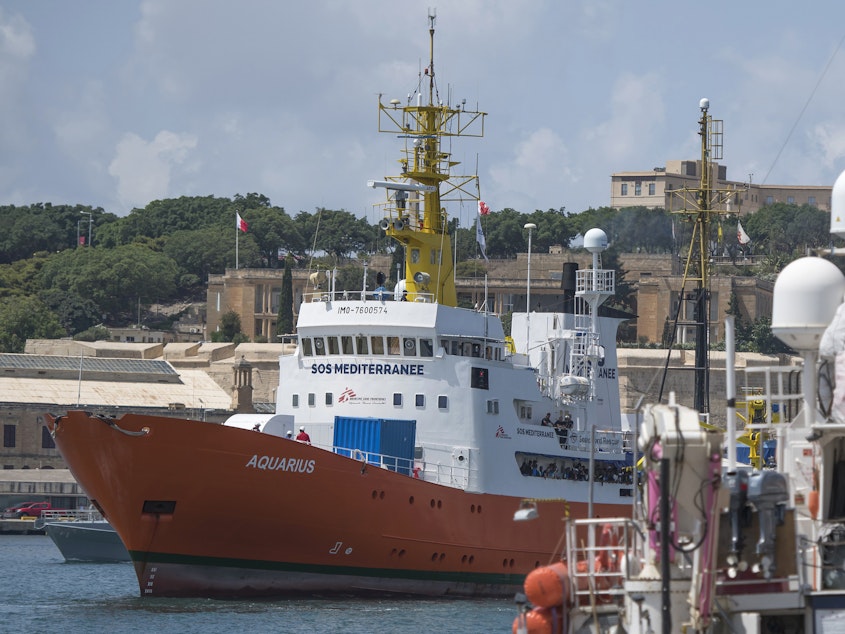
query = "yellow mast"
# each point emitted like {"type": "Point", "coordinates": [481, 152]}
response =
{"type": "Point", "coordinates": [414, 215]}
{"type": "Point", "coordinates": [699, 205]}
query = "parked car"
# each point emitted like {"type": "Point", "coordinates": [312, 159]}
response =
{"type": "Point", "coordinates": [27, 509]}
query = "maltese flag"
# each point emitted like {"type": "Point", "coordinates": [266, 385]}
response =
{"type": "Point", "coordinates": [483, 209]}
{"type": "Point", "coordinates": [240, 223]}
{"type": "Point", "coordinates": [741, 235]}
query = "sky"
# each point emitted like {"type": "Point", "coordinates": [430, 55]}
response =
{"type": "Point", "coordinates": [114, 104]}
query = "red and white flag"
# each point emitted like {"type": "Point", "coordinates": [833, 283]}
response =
{"type": "Point", "coordinates": [483, 209]}
{"type": "Point", "coordinates": [240, 223]}
{"type": "Point", "coordinates": [741, 235]}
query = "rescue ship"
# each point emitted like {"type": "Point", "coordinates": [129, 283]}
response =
{"type": "Point", "coordinates": [426, 425]}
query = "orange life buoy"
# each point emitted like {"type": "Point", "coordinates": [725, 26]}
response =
{"type": "Point", "coordinates": [548, 586]}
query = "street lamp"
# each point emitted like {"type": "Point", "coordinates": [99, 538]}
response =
{"type": "Point", "coordinates": [530, 226]}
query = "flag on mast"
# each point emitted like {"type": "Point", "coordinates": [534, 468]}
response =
{"type": "Point", "coordinates": [479, 237]}
{"type": "Point", "coordinates": [240, 223]}
{"type": "Point", "coordinates": [741, 235]}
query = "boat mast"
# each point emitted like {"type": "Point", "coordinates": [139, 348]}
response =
{"type": "Point", "coordinates": [414, 215]}
{"type": "Point", "coordinates": [699, 205]}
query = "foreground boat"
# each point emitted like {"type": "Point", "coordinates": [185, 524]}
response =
{"type": "Point", "coordinates": [425, 429]}
{"type": "Point", "coordinates": [716, 547]}
{"type": "Point", "coordinates": [92, 541]}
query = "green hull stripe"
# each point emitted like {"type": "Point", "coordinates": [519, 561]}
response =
{"type": "Point", "coordinates": [486, 578]}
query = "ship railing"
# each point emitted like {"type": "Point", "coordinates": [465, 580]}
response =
{"type": "Point", "coordinates": [430, 471]}
{"type": "Point", "coordinates": [366, 296]}
{"type": "Point", "coordinates": [600, 555]}
{"type": "Point", "coordinates": [71, 515]}
{"type": "Point", "coordinates": [604, 441]}
{"type": "Point", "coordinates": [782, 392]}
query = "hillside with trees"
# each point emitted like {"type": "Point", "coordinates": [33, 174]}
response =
{"type": "Point", "coordinates": [68, 269]}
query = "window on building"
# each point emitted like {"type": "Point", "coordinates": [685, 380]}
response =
{"type": "Point", "coordinates": [770, 200]}
{"type": "Point", "coordinates": [397, 399]}
{"type": "Point", "coordinates": [651, 189]}
{"type": "Point", "coordinates": [638, 188]}
{"type": "Point", "coordinates": [443, 401]}
{"type": "Point", "coordinates": [790, 200]}
{"type": "Point", "coordinates": [811, 200]}
{"type": "Point", "coordinates": [47, 441]}
{"type": "Point", "coordinates": [419, 400]}
{"type": "Point", "coordinates": [275, 299]}
{"type": "Point", "coordinates": [624, 189]}
{"type": "Point", "coordinates": [8, 435]}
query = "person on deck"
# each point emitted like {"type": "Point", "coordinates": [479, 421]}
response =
{"type": "Point", "coordinates": [547, 420]}
{"type": "Point", "coordinates": [302, 436]}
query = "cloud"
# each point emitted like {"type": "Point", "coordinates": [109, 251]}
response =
{"type": "Point", "coordinates": [540, 164]}
{"type": "Point", "coordinates": [144, 170]}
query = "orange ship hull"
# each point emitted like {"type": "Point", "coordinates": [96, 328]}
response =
{"type": "Point", "coordinates": [213, 511]}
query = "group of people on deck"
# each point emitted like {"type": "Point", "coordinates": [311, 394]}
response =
{"type": "Point", "coordinates": [561, 426]}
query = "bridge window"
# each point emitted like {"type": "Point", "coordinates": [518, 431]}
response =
{"type": "Point", "coordinates": [361, 344]}
{"type": "Point", "coordinates": [426, 348]}
{"type": "Point", "coordinates": [393, 346]}
{"type": "Point", "coordinates": [377, 345]}
{"type": "Point", "coordinates": [410, 347]}
{"type": "Point", "coordinates": [306, 347]}
{"type": "Point", "coordinates": [319, 346]}
{"type": "Point", "coordinates": [346, 345]}
{"type": "Point", "coordinates": [333, 345]}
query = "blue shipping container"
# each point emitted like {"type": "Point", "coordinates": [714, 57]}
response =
{"type": "Point", "coordinates": [382, 442]}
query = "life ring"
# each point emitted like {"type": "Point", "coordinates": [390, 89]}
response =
{"type": "Point", "coordinates": [610, 551]}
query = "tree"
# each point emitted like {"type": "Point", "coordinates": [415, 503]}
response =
{"type": "Point", "coordinates": [116, 280]}
{"type": "Point", "coordinates": [23, 318]}
{"type": "Point", "coordinates": [230, 325]}
{"type": "Point", "coordinates": [284, 322]}
{"type": "Point", "coordinates": [273, 231]}
{"type": "Point", "coordinates": [338, 233]}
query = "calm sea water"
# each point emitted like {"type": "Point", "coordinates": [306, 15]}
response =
{"type": "Point", "coordinates": [40, 592]}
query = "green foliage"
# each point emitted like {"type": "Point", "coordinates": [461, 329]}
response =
{"type": "Point", "coordinates": [471, 268]}
{"type": "Point", "coordinates": [230, 325]}
{"type": "Point", "coordinates": [23, 318]}
{"type": "Point", "coordinates": [114, 279]}
{"type": "Point", "coordinates": [284, 321]}
{"type": "Point", "coordinates": [273, 230]}
{"type": "Point", "coordinates": [95, 333]}
{"type": "Point", "coordinates": [338, 233]}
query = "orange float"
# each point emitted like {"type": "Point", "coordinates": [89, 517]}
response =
{"type": "Point", "coordinates": [548, 586]}
{"type": "Point", "coordinates": [539, 621]}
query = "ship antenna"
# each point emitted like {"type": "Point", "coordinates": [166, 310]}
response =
{"type": "Point", "coordinates": [432, 18]}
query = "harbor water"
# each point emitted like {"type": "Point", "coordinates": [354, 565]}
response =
{"type": "Point", "coordinates": [40, 592]}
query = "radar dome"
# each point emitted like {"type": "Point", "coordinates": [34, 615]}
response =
{"type": "Point", "coordinates": [807, 293]}
{"type": "Point", "coordinates": [595, 241]}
